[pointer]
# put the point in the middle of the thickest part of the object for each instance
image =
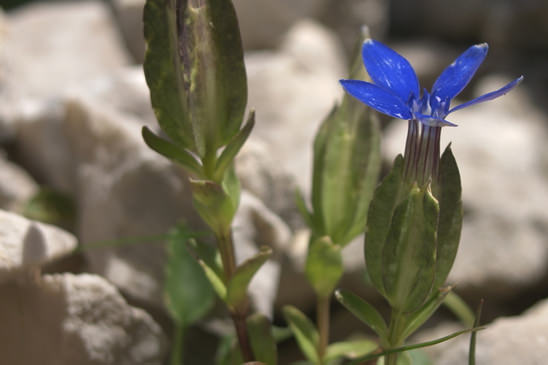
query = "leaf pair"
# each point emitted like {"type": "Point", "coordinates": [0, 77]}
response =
{"type": "Point", "coordinates": [308, 339]}
{"type": "Point", "coordinates": [233, 293]}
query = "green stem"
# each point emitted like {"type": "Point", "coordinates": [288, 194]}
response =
{"type": "Point", "coordinates": [322, 318]}
{"type": "Point", "coordinates": [226, 249]}
{"type": "Point", "coordinates": [395, 330]}
{"type": "Point", "coordinates": [178, 345]}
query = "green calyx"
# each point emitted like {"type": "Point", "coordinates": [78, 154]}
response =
{"type": "Point", "coordinates": [412, 235]}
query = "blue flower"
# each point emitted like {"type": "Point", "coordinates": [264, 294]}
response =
{"type": "Point", "coordinates": [395, 91]}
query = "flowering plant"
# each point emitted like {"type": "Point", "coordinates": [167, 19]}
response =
{"type": "Point", "coordinates": [195, 70]}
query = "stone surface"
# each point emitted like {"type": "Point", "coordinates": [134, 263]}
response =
{"type": "Point", "coordinates": [129, 16]}
{"type": "Point", "coordinates": [508, 340]}
{"type": "Point", "coordinates": [500, 149]}
{"type": "Point", "coordinates": [292, 90]}
{"type": "Point", "coordinates": [346, 17]}
{"type": "Point", "coordinates": [16, 186]}
{"type": "Point", "coordinates": [255, 226]}
{"type": "Point", "coordinates": [263, 23]}
{"type": "Point", "coordinates": [27, 245]}
{"type": "Point", "coordinates": [67, 319]}
{"type": "Point", "coordinates": [46, 47]}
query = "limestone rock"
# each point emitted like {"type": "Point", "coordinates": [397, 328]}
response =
{"type": "Point", "coordinates": [70, 319]}
{"type": "Point", "coordinates": [255, 226]}
{"type": "Point", "coordinates": [292, 91]}
{"type": "Point", "coordinates": [263, 23]}
{"type": "Point", "coordinates": [500, 149]}
{"type": "Point", "coordinates": [508, 340]}
{"type": "Point", "coordinates": [49, 46]}
{"type": "Point", "coordinates": [129, 14]}
{"type": "Point", "coordinates": [27, 245]}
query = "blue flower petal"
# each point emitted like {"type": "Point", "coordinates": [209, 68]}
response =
{"type": "Point", "coordinates": [458, 74]}
{"type": "Point", "coordinates": [489, 96]}
{"type": "Point", "coordinates": [377, 98]}
{"type": "Point", "coordinates": [389, 70]}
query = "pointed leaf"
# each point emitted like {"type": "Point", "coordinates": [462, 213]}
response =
{"type": "Point", "coordinates": [350, 349]}
{"type": "Point", "coordinates": [231, 150]}
{"type": "Point", "coordinates": [363, 310]}
{"type": "Point", "coordinates": [472, 351]}
{"type": "Point", "coordinates": [408, 256]}
{"type": "Point", "coordinates": [215, 280]}
{"type": "Point", "coordinates": [450, 219]}
{"type": "Point", "coordinates": [189, 296]}
{"type": "Point", "coordinates": [324, 266]}
{"type": "Point", "coordinates": [262, 339]}
{"type": "Point", "coordinates": [171, 151]}
{"type": "Point", "coordinates": [381, 210]}
{"type": "Point", "coordinates": [163, 71]}
{"type": "Point", "coordinates": [237, 287]}
{"type": "Point", "coordinates": [305, 333]}
{"type": "Point", "coordinates": [303, 209]}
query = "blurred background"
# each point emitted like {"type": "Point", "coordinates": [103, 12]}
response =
{"type": "Point", "coordinates": [73, 100]}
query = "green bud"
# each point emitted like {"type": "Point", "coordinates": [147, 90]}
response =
{"type": "Point", "coordinates": [195, 71]}
{"type": "Point", "coordinates": [324, 266]}
{"type": "Point", "coordinates": [346, 168]}
{"type": "Point", "coordinates": [217, 203]}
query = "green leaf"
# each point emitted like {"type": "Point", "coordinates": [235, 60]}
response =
{"type": "Point", "coordinates": [171, 151]}
{"type": "Point", "coordinates": [163, 71]}
{"type": "Point", "coordinates": [303, 209]}
{"type": "Point", "coordinates": [226, 158]}
{"type": "Point", "coordinates": [381, 210]}
{"type": "Point", "coordinates": [305, 333]}
{"type": "Point", "coordinates": [262, 339]}
{"type": "Point", "coordinates": [419, 317]}
{"type": "Point", "coordinates": [350, 349]}
{"type": "Point", "coordinates": [189, 296]}
{"type": "Point", "coordinates": [363, 310]}
{"type": "Point", "coordinates": [450, 220]}
{"type": "Point", "coordinates": [409, 253]}
{"type": "Point", "coordinates": [215, 279]}
{"type": "Point", "coordinates": [324, 266]}
{"type": "Point", "coordinates": [237, 287]}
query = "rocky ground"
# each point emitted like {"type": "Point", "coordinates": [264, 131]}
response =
{"type": "Point", "coordinates": [73, 100]}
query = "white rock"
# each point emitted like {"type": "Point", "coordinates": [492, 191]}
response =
{"type": "Point", "coordinates": [48, 47]}
{"type": "Point", "coordinates": [499, 147]}
{"type": "Point", "coordinates": [346, 17]}
{"type": "Point", "coordinates": [292, 91]}
{"type": "Point", "coordinates": [255, 226]}
{"type": "Point", "coordinates": [27, 245]}
{"type": "Point", "coordinates": [129, 14]}
{"type": "Point", "coordinates": [512, 340]}
{"type": "Point", "coordinates": [75, 319]}
{"type": "Point", "coordinates": [264, 23]}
